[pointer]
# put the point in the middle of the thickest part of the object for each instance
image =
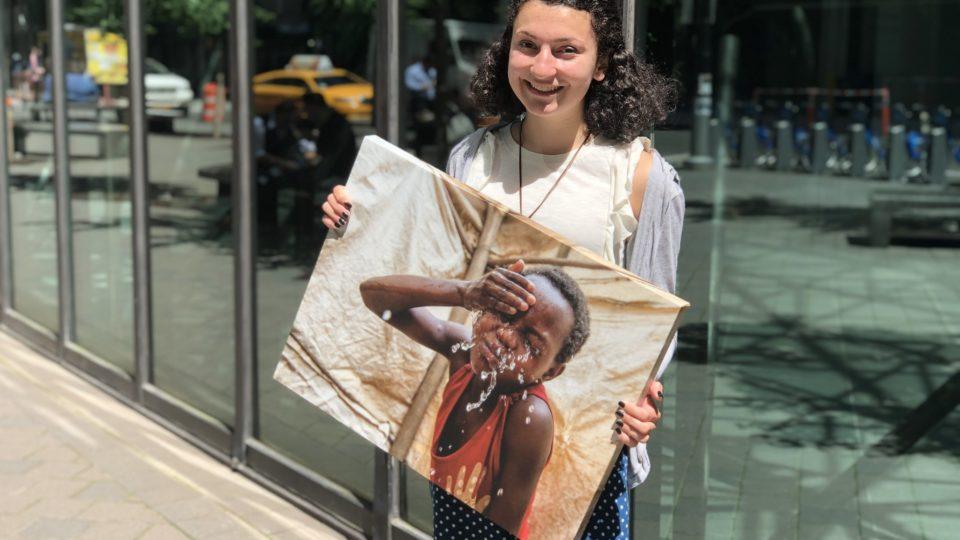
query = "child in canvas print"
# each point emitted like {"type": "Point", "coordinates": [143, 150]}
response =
{"type": "Point", "coordinates": [493, 434]}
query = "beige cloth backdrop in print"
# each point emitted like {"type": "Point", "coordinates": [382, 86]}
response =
{"type": "Point", "coordinates": [410, 218]}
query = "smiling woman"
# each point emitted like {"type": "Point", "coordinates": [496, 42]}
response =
{"type": "Point", "coordinates": [570, 104]}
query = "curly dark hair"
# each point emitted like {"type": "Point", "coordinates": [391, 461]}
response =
{"type": "Point", "coordinates": [570, 290]}
{"type": "Point", "coordinates": [630, 99]}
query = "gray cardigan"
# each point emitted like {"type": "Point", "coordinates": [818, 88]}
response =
{"type": "Point", "coordinates": [651, 252]}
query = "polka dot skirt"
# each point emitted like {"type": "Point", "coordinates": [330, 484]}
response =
{"type": "Point", "coordinates": [611, 516]}
{"type": "Point", "coordinates": [454, 520]}
{"type": "Point", "coordinates": [610, 520]}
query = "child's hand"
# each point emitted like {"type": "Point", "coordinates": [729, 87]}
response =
{"type": "Point", "coordinates": [503, 290]}
{"type": "Point", "coordinates": [336, 209]}
{"type": "Point", "coordinates": [635, 422]}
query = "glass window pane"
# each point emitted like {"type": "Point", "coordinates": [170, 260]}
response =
{"type": "Point", "coordinates": [306, 135]}
{"type": "Point", "coordinates": [830, 340]}
{"type": "Point", "coordinates": [30, 163]}
{"type": "Point", "coordinates": [98, 106]}
{"type": "Point", "coordinates": [190, 162]}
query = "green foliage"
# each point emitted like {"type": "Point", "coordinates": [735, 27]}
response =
{"type": "Point", "coordinates": [187, 17]}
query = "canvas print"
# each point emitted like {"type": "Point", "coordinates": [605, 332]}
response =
{"type": "Point", "coordinates": [482, 349]}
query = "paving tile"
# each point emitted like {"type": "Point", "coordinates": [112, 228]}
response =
{"type": "Point", "coordinates": [103, 491]}
{"type": "Point", "coordinates": [114, 529]}
{"type": "Point", "coordinates": [217, 525]}
{"type": "Point", "coordinates": [54, 528]}
{"type": "Point", "coordinates": [163, 532]}
{"type": "Point", "coordinates": [55, 508]}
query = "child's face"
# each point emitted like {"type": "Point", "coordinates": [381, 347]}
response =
{"type": "Point", "coordinates": [522, 348]}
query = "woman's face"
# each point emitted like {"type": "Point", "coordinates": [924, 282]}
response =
{"type": "Point", "coordinates": [553, 59]}
{"type": "Point", "coordinates": [522, 348]}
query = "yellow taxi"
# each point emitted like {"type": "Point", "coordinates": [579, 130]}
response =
{"type": "Point", "coordinates": [346, 92]}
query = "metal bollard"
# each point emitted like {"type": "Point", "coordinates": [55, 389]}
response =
{"type": "Point", "coordinates": [785, 149]}
{"type": "Point", "coordinates": [748, 143]}
{"type": "Point", "coordinates": [821, 148]}
{"type": "Point", "coordinates": [716, 139]}
{"type": "Point", "coordinates": [897, 156]}
{"type": "Point", "coordinates": [938, 156]}
{"type": "Point", "coordinates": [858, 150]}
{"type": "Point", "coordinates": [700, 152]}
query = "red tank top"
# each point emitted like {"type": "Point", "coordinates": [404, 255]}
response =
{"type": "Point", "coordinates": [468, 472]}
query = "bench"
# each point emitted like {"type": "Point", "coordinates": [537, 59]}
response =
{"type": "Point", "coordinates": [102, 111]}
{"type": "Point", "coordinates": [889, 203]}
{"type": "Point", "coordinates": [86, 139]}
{"type": "Point", "coordinates": [222, 174]}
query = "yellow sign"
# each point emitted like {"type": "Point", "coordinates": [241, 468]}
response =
{"type": "Point", "coordinates": [106, 56]}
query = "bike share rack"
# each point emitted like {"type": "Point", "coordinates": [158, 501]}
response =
{"type": "Point", "coordinates": [898, 154]}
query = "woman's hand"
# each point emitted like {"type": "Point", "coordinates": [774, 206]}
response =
{"type": "Point", "coordinates": [503, 290]}
{"type": "Point", "coordinates": [336, 209]}
{"type": "Point", "coordinates": [635, 422]}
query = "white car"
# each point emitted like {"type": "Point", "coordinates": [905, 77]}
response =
{"type": "Point", "coordinates": [167, 94]}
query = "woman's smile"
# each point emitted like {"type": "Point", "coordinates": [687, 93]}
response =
{"type": "Point", "coordinates": [544, 90]}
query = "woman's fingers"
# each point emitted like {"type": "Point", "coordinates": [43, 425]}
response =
{"type": "Point", "coordinates": [655, 391]}
{"type": "Point", "coordinates": [341, 211]}
{"type": "Point", "coordinates": [335, 215]}
{"type": "Point", "coordinates": [645, 411]}
{"type": "Point", "coordinates": [637, 426]}
{"type": "Point", "coordinates": [632, 436]}
{"type": "Point", "coordinates": [342, 197]}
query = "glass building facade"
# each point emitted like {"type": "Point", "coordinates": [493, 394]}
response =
{"type": "Point", "coordinates": [161, 161]}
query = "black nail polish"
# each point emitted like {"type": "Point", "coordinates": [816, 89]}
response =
{"type": "Point", "coordinates": [337, 225]}
{"type": "Point", "coordinates": [348, 205]}
{"type": "Point", "coordinates": [618, 431]}
{"type": "Point", "coordinates": [619, 414]}
{"type": "Point", "coordinates": [619, 423]}
{"type": "Point", "coordinates": [341, 221]}
{"type": "Point", "coordinates": [620, 403]}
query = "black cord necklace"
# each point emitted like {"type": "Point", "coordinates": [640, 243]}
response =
{"type": "Point", "coordinates": [555, 184]}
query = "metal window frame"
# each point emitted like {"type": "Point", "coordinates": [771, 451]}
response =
{"type": "Point", "coordinates": [244, 223]}
{"type": "Point", "coordinates": [139, 194]}
{"type": "Point", "coordinates": [387, 488]}
{"type": "Point", "coordinates": [6, 261]}
{"type": "Point", "coordinates": [61, 172]}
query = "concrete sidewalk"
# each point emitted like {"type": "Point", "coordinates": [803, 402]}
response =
{"type": "Point", "coordinates": [75, 463]}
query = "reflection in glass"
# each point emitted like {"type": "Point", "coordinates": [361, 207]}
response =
{"type": "Point", "coordinates": [442, 50]}
{"type": "Point", "coordinates": [97, 108]}
{"type": "Point", "coordinates": [190, 170]}
{"type": "Point", "coordinates": [313, 102]}
{"type": "Point", "coordinates": [30, 163]}
{"type": "Point", "coordinates": [812, 416]}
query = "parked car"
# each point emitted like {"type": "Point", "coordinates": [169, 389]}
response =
{"type": "Point", "coordinates": [315, 62]}
{"type": "Point", "coordinates": [345, 92]}
{"type": "Point", "coordinates": [168, 95]}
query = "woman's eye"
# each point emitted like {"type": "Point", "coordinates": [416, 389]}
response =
{"type": "Point", "coordinates": [568, 50]}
